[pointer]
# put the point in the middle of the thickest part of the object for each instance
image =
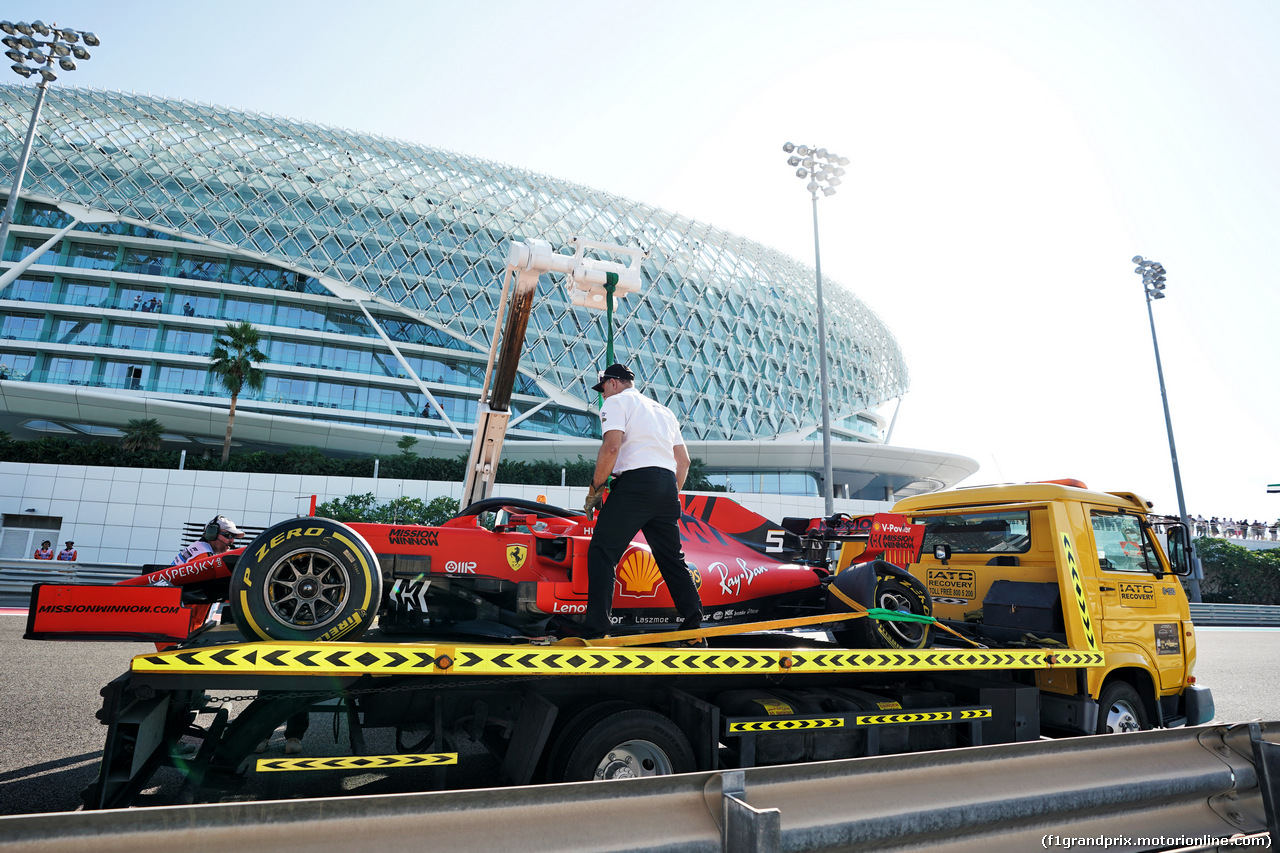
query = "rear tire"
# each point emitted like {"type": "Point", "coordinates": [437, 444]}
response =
{"type": "Point", "coordinates": [891, 593]}
{"type": "Point", "coordinates": [310, 579]}
{"type": "Point", "coordinates": [618, 740]}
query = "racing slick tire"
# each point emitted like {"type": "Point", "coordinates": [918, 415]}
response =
{"type": "Point", "coordinates": [310, 579]}
{"type": "Point", "coordinates": [619, 740]}
{"type": "Point", "coordinates": [883, 585]}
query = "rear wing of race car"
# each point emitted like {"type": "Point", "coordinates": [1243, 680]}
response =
{"type": "Point", "coordinates": [111, 612]}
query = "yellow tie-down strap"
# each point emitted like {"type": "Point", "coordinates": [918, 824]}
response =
{"type": "Point", "coordinates": [353, 659]}
{"type": "Point", "coordinates": [357, 762]}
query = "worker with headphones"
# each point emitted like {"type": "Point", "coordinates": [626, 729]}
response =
{"type": "Point", "coordinates": [219, 535]}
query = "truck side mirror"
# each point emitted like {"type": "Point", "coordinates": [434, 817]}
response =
{"type": "Point", "coordinates": [1179, 539]}
{"type": "Point", "coordinates": [942, 553]}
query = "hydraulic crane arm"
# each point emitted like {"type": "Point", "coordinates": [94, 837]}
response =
{"type": "Point", "coordinates": [587, 280]}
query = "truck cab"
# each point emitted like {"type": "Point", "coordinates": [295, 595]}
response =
{"type": "Point", "coordinates": [1052, 564]}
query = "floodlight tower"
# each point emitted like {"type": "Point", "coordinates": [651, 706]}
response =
{"type": "Point", "coordinates": [824, 169]}
{"type": "Point", "coordinates": [33, 48]}
{"type": "Point", "coordinates": [1153, 285]}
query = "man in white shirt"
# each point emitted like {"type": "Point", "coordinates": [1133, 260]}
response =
{"type": "Point", "coordinates": [645, 453]}
{"type": "Point", "coordinates": [219, 536]}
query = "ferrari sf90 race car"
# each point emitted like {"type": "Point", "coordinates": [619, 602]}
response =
{"type": "Point", "coordinates": [511, 569]}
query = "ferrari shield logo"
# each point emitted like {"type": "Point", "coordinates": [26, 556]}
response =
{"type": "Point", "coordinates": [515, 556]}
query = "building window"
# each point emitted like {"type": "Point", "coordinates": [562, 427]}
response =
{"type": "Point", "coordinates": [140, 299]}
{"type": "Point", "coordinates": [144, 261]}
{"type": "Point", "coordinates": [70, 371]}
{"type": "Point", "coordinates": [181, 380]}
{"type": "Point", "coordinates": [91, 256]}
{"type": "Point", "coordinates": [75, 331]}
{"type": "Point", "coordinates": [130, 336]}
{"type": "Point", "coordinates": [201, 268]}
{"type": "Point", "coordinates": [188, 342]}
{"type": "Point", "coordinates": [201, 305]}
{"type": "Point", "coordinates": [122, 374]}
{"type": "Point", "coordinates": [16, 365]}
{"type": "Point", "coordinates": [24, 246]}
{"type": "Point", "coordinates": [21, 327]}
{"type": "Point", "coordinates": [83, 293]}
{"type": "Point", "coordinates": [254, 311]}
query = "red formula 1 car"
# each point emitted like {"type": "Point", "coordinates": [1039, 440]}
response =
{"type": "Point", "coordinates": [508, 568]}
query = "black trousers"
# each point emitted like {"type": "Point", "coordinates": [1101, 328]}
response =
{"type": "Point", "coordinates": [643, 499]}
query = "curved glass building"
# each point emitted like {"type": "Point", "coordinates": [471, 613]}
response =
{"type": "Point", "coordinates": [373, 267]}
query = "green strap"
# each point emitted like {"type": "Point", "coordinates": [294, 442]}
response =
{"type": "Point", "coordinates": [899, 616]}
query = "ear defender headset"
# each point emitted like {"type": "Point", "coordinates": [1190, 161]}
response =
{"type": "Point", "coordinates": [211, 531]}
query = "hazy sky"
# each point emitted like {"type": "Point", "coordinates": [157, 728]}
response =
{"type": "Point", "coordinates": [1009, 158]}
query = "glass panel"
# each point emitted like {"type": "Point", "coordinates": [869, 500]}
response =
{"type": "Point", "coordinates": [84, 293]}
{"type": "Point", "coordinates": [188, 341]}
{"type": "Point", "coordinates": [201, 267]}
{"type": "Point", "coordinates": [196, 304]}
{"type": "Point", "coordinates": [75, 330]}
{"type": "Point", "coordinates": [21, 327]}
{"type": "Point", "coordinates": [16, 365]}
{"type": "Point", "coordinates": [91, 256]}
{"type": "Point", "coordinates": [1122, 543]}
{"type": "Point", "coordinates": [131, 336]}
{"type": "Point", "coordinates": [979, 533]}
{"type": "Point", "coordinates": [255, 311]}
{"type": "Point", "coordinates": [30, 289]}
{"type": "Point", "coordinates": [70, 371]}
{"type": "Point", "coordinates": [181, 380]}
{"type": "Point", "coordinates": [131, 298]}
{"type": "Point", "coordinates": [144, 261]}
{"type": "Point", "coordinates": [24, 246]}
{"type": "Point", "coordinates": [124, 374]}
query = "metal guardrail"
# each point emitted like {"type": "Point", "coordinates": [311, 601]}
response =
{"type": "Point", "coordinates": [18, 576]}
{"type": "Point", "coordinates": [1157, 790]}
{"type": "Point", "coordinates": [1239, 615]}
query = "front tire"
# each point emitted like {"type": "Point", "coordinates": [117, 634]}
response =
{"type": "Point", "coordinates": [1121, 709]}
{"type": "Point", "coordinates": [309, 579]}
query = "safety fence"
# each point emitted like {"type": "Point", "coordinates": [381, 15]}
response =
{"type": "Point", "coordinates": [1190, 788]}
{"type": "Point", "coordinates": [1241, 615]}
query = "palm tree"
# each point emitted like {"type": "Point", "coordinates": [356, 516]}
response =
{"type": "Point", "coordinates": [232, 359]}
{"type": "Point", "coordinates": [142, 434]}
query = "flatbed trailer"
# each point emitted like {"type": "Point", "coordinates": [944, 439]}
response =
{"type": "Point", "coordinates": [564, 712]}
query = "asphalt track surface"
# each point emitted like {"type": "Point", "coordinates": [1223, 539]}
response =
{"type": "Point", "coordinates": [50, 741]}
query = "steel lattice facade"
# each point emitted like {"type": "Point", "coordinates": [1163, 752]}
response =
{"type": "Point", "coordinates": [723, 331]}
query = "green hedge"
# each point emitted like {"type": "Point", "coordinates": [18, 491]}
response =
{"type": "Point", "coordinates": [308, 460]}
{"type": "Point", "coordinates": [1237, 575]}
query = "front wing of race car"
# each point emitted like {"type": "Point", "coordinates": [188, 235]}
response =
{"type": "Point", "coordinates": [111, 612]}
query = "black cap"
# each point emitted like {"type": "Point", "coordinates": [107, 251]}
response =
{"type": "Point", "coordinates": [613, 371]}
{"type": "Point", "coordinates": [70, 543]}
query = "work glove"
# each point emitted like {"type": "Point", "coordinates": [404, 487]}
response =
{"type": "Point", "coordinates": [595, 498]}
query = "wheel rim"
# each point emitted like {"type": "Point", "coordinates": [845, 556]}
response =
{"type": "Point", "coordinates": [306, 589]}
{"type": "Point", "coordinates": [632, 760]}
{"type": "Point", "coordinates": [1122, 717]}
{"type": "Point", "coordinates": [910, 632]}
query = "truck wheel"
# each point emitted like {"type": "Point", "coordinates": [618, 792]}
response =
{"type": "Point", "coordinates": [617, 740]}
{"type": "Point", "coordinates": [1120, 709]}
{"type": "Point", "coordinates": [306, 579]}
{"type": "Point", "coordinates": [891, 593]}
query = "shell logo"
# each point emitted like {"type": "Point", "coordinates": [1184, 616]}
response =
{"type": "Point", "coordinates": [875, 525]}
{"type": "Point", "coordinates": [639, 574]}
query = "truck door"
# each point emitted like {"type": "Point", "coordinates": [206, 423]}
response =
{"type": "Point", "coordinates": [1138, 606]}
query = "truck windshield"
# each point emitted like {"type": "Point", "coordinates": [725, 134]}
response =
{"type": "Point", "coordinates": [978, 533]}
{"type": "Point", "coordinates": [1122, 543]}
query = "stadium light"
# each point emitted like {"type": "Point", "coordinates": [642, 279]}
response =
{"type": "Point", "coordinates": [1153, 285]}
{"type": "Point", "coordinates": [35, 57]}
{"type": "Point", "coordinates": [823, 169]}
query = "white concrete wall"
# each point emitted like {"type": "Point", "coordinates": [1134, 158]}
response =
{"type": "Point", "coordinates": [135, 515]}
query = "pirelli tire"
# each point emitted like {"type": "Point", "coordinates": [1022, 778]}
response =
{"type": "Point", "coordinates": [881, 585]}
{"type": "Point", "coordinates": [309, 579]}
